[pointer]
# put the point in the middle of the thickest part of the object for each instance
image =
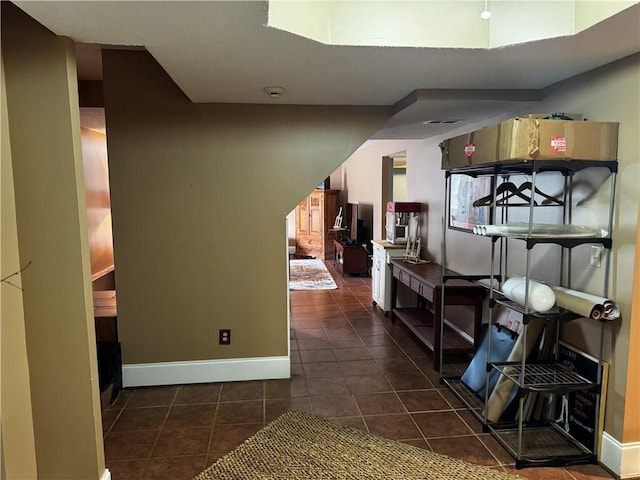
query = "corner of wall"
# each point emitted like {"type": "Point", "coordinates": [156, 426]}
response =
{"type": "Point", "coordinates": [623, 459]}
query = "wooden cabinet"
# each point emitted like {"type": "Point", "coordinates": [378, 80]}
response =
{"type": "Point", "coordinates": [351, 259]}
{"type": "Point", "coordinates": [315, 216]}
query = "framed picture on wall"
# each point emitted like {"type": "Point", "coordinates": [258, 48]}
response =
{"type": "Point", "coordinates": [463, 191]}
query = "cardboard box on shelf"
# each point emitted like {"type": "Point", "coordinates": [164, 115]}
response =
{"type": "Point", "coordinates": [526, 139]}
{"type": "Point", "coordinates": [555, 116]}
{"type": "Point", "coordinates": [478, 147]}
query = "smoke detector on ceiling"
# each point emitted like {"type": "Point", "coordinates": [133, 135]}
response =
{"type": "Point", "coordinates": [274, 92]}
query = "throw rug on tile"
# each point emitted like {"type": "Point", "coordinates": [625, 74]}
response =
{"type": "Point", "coordinates": [310, 274]}
{"type": "Point", "coordinates": [301, 446]}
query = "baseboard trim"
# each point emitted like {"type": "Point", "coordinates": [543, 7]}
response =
{"type": "Point", "coordinates": [106, 475]}
{"type": "Point", "coordinates": [205, 371]}
{"type": "Point", "coordinates": [623, 459]}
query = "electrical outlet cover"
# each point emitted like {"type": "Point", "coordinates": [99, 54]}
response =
{"type": "Point", "coordinates": [225, 337]}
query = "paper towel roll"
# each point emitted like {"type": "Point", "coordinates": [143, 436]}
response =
{"type": "Point", "coordinates": [541, 297]}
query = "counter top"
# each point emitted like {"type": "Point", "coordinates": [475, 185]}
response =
{"type": "Point", "coordinates": [386, 244]}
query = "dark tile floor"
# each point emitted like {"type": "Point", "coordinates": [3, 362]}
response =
{"type": "Point", "coordinates": [349, 363]}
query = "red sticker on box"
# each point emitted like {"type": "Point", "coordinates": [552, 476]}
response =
{"type": "Point", "coordinates": [558, 144]}
{"type": "Point", "coordinates": [469, 149]}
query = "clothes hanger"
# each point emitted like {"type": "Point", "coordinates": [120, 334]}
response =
{"type": "Point", "coordinates": [548, 199]}
{"type": "Point", "coordinates": [515, 192]}
{"type": "Point", "coordinates": [508, 188]}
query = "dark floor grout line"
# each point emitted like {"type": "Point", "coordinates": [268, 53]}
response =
{"type": "Point", "coordinates": [264, 403]}
{"type": "Point", "coordinates": [213, 424]}
{"type": "Point", "coordinates": [491, 452]}
{"type": "Point", "coordinates": [121, 410]}
{"type": "Point", "coordinates": [160, 430]}
{"type": "Point", "coordinates": [573, 477]}
{"type": "Point", "coordinates": [467, 435]}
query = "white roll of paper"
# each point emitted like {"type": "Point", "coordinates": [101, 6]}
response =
{"type": "Point", "coordinates": [541, 297]}
{"type": "Point", "coordinates": [585, 304]}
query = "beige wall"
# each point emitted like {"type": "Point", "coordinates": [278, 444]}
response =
{"type": "Point", "coordinates": [43, 118]}
{"type": "Point", "coordinates": [18, 443]}
{"type": "Point", "coordinates": [610, 93]}
{"type": "Point", "coordinates": [199, 197]}
{"type": "Point", "coordinates": [362, 176]}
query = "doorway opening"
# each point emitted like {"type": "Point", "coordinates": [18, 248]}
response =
{"type": "Point", "coordinates": [393, 183]}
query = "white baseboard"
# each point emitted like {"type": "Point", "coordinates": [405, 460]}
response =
{"type": "Point", "coordinates": [623, 459]}
{"type": "Point", "coordinates": [205, 371]}
{"type": "Point", "coordinates": [106, 475]}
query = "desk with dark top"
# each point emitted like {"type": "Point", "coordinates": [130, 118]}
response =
{"type": "Point", "coordinates": [425, 319]}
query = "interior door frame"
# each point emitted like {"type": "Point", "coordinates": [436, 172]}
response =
{"type": "Point", "coordinates": [386, 191]}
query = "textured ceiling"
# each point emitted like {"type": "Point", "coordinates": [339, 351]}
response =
{"type": "Point", "coordinates": [219, 51]}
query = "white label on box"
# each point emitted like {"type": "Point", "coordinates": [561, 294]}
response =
{"type": "Point", "coordinates": [469, 149]}
{"type": "Point", "coordinates": [558, 144]}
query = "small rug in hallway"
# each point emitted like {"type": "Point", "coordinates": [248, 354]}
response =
{"type": "Point", "coordinates": [301, 446]}
{"type": "Point", "coordinates": [310, 275]}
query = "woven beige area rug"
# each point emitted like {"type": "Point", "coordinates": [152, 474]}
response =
{"type": "Point", "coordinates": [310, 274]}
{"type": "Point", "coordinates": [301, 446]}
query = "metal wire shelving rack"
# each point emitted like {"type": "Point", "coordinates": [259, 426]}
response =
{"type": "Point", "coordinates": [533, 443]}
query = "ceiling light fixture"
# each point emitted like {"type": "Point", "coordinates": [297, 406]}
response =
{"type": "Point", "coordinates": [485, 14]}
{"type": "Point", "coordinates": [274, 92]}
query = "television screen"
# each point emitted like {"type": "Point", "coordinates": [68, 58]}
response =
{"type": "Point", "coordinates": [354, 221]}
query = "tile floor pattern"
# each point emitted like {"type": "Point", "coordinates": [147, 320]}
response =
{"type": "Point", "coordinates": [349, 363]}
